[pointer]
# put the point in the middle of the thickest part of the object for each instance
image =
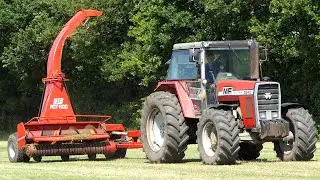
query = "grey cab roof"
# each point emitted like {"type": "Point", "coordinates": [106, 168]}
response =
{"type": "Point", "coordinates": [214, 44]}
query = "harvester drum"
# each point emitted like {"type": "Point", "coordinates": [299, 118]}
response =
{"type": "Point", "coordinates": [57, 131]}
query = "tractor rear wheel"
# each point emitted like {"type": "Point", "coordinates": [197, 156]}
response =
{"type": "Point", "coordinates": [249, 151]}
{"type": "Point", "coordinates": [14, 153]}
{"type": "Point", "coordinates": [218, 137]}
{"type": "Point", "coordinates": [163, 128]}
{"type": "Point", "coordinates": [303, 144]}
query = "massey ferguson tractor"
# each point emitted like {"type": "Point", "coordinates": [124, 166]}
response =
{"type": "Point", "coordinates": [215, 97]}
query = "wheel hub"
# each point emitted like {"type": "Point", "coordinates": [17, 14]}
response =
{"type": "Point", "coordinates": [12, 153]}
{"type": "Point", "coordinates": [209, 138]}
{"type": "Point", "coordinates": [156, 129]}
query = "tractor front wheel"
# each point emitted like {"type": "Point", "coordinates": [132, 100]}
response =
{"type": "Point", "coordinates": [14, 153]}
{"type": "Point", "coordinates": [303, 144]}
{"type": "Point", "coordinates": [163, 128]}
{"type": "Point", "coordinates": [218, 137]}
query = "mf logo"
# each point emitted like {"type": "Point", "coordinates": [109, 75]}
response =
{"type": "Point", "coordinates": [268, 96]}
{"type": "Point", "coordinates": [227, 90]}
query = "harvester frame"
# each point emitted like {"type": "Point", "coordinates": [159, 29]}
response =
{"type": "Point", "coordinates": [56, 132]}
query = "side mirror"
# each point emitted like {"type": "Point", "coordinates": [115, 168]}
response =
{"type": "Point", "coordinates": [168, 62]}
{"type": "Point", "coordinates": [263, 55]}
{"type": "Point", "coordinates": [194, 55]}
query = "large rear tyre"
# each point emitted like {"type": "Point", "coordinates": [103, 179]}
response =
{"type": "Point", "coordinates": [218, 137]}
{"type": "Point", "coordinates": [163, 128]}
{"type": "Point", "coordinates": [249, 151]}
{"type": "Point", "coordinates": [303, 144]}
{"type": "Point", "coordinates": [14, 153]}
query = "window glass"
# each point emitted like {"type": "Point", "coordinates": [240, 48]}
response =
{"type": "Point", "coordinates": [223, 63]}
{"type": "Point", "coordinates": [181, 67]}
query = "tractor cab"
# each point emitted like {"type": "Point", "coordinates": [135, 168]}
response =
{"type": "Point", "coordinates": [221, 60]}
{"type": "Point", "coordinates": [205, 66]}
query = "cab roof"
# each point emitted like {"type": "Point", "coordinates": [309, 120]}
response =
{"type": "Point", "coordinates": [214, 44]}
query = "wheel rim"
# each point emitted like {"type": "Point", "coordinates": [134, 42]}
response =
{"type": "Point", "coordinates": [12, 153]}
{"type": "Point", "coordinates": [155, 131]}
{"type": "Point", "coordinates": [209, 139]}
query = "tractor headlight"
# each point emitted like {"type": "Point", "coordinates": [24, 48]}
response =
{"type": "Point", "coordinates": [274, 114]}
{"type": "Point", "coordinates": [262, 115]}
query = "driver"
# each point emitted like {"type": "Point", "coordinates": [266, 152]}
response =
{"type": "Point", "coordinates": [214, 65]}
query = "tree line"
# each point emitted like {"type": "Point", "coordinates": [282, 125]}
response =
{"type": "Point", "coordinates": [116, 60]}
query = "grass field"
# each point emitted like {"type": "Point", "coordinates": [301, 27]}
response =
{"type": "Point", "coordinates": [135, 166]}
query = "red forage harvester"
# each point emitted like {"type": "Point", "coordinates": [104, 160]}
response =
{"type": "Point", "coordinates": [56, 132]}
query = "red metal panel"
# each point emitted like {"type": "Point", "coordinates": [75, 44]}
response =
{"type": "Point", "coordinates": [179, 88]}
{"type": "Point", "coordinates": [132, 145]}
{"type": "Point", "coordinates": [247, 110]}
{"type": "Point", "coordinates": [21, 135]}
{"type": "Point", "coordinates": [135, 133]}
{"type": "Point", "coordinates": [236, 84]}
{"type": "Point", "coordinates": [68, 138]}
{"type": "Point", "coordinates": [113, 127]}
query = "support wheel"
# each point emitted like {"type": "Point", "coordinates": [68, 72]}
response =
{"type": "Point", "coordinates": [65, 157]}
{"type": "Point", "coordinates": [119, 154]}
{"type": "Point", "coordinates": [218, 137]}
{"type": "Point", "coordinates": [163, 128]}
{"type": "Point", "coordinates": [37, 158]}
{"type": "Point", "coordinates": [249, 151]}
{"type": "Point", "coordinates": [14, 153]}
{"type": "Point", "coordinates": [303, 144]}
{"type": "Point", "coordinates": [92, 157]}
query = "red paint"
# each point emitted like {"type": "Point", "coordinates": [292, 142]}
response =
{"type": "Point", "coordinates": [21, 134]}
{"type": "Point", "coordinates": [134, 133]}
{"type": "Point", "coordinates": [247, 111]}
{"type": "Point", "coordinates": [130, 145]}
{"type": "Point", "coordinates": [179, 88]}
{"type": "Point", "coordinates": [56, 100]}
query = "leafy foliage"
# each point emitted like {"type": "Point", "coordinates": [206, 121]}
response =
{"type": "Point", "coordinates": [117, 59]}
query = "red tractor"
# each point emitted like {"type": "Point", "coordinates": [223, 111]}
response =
{"type": "Point", "coordinates": [215, 97]}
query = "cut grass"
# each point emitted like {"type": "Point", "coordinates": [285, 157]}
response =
{"type": "Point", "coordinates": [135, 166]}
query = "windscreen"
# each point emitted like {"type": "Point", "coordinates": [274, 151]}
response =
{"type": "Point", "coordinates": [181, 67]}
{"type": "Point", "coordinates": [227, 63]}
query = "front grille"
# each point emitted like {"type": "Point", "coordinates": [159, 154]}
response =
{"type": "Point", "coordinates": [268, 101]}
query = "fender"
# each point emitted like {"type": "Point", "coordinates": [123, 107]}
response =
{"type": "Point", "coordinates": [180, 90]}
{"type": "Point", "coordinates": [290, 105]}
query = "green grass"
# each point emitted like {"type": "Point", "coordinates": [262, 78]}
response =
{"type": "Point", "coordinates": [135, 166]}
